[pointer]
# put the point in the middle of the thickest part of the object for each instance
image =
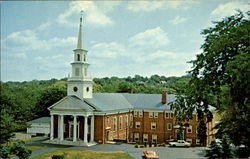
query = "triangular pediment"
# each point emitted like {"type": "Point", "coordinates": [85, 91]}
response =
{"type": "Point", "coordinates": [70, 103]}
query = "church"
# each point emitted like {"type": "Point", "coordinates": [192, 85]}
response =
{"type": "Point", "coordinates": [85, 118]}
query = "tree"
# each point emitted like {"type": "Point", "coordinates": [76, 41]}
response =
{"type": "Point", "coordinates": [48, 97]}
{"type": "Point", "coordinates": [227, 149]}
{"type": "Point", "coordinates": [220, 77]}
{"type": "Point", "coordinates": [214, 151]}
{"type": "Point", "coordinates": [20, 150]}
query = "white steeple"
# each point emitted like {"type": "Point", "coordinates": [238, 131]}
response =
{"type": "Point", "coordinates": [80, 84]}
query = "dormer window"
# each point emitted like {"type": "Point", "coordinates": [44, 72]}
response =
{"type": "Point", "coordinates": [78, 57]}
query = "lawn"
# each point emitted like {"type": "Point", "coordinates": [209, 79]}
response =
{"type": "Point", "coordinates": [84, 154]}
{"type": "Point", "coordinates": [35, 148]}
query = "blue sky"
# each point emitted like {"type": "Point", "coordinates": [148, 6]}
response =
{"type": "Point", "coordinates": [123, 38]}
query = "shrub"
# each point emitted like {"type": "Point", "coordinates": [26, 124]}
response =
{"type": "Point", "coordinates": [4, 152]}
{"type": "Point", "coordinates": [136, 146]}
{"type": "Point", "coordinates": [57, 157]}
{"type": "Point", "coordinates": [20, 151]}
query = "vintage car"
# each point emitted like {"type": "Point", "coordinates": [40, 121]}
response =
{"type": "Point", "coordinates": [150, 154]}
{"type": "Point", "coordinates": [180, 143]}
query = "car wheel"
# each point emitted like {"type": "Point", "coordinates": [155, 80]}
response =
{"type": "Point", "coordinates": [174, 145]}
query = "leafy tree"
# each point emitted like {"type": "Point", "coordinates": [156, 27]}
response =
{"type": "Point", "coordinates": [50, 96]}
{"type": "Point", "coordinates": [220, 77]}
{"type": "Point", "coordinates": [4, 151]}
{"type": "Point", "coordinates": [227, 149]}
{"type": "Point", "coordinates": [20, 150]}
{"type": "Point", "coordinates": [214, 151]}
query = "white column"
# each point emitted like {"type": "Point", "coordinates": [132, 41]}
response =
{"type": "Point", "coordinates": [74, 129]}
{"type": "Point", "coordinates": [61, 127]}
{"type": "Point", "coordinates": [58, 126]}
{"type": "Point", "coordinates": [92, 128]}
{"type": "Point", "coordinates": [85, 128]}
{"type": "Point", "coordinates": [51, 127]}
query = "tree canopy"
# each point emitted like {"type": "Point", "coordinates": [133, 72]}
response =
{"type": "Point", "coordinates": [220, 77]}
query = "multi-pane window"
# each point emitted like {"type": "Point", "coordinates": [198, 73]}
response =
{"type": "Point", "coordinates": [153, 125]}
{"type": "Point", "coordinates": [197, 141]}
{"type": "Point", "coordinates": [171, 115]}
{"type": "Point", "coordinates": [126, 121]}
{"type": "Point", "coordinates": [140, 114]}
{"type": "Point", "coordinates": [166, 115]}
{"type": "Point", "coordinates": [154, 138]}
{"type": "Point", "coordinates": [189, 140]}
{"type": "Point", "coordinates": [151, 114]}
{"type": "Point", "coordinates": [136, 136]}
{"type": "Point", "coordinates": [189, 129]}
{"type": "Point", "coordinates": [120, 122]}
{"type": "Point", "coordinates": [131, 120]}
{"type": "Point", "coordinates": [114, 124]}
{"type": "Point", "coordinates": [135, 114]}
{"type": "Point", "coordinates": [138, 125]}
{"type": "Point", "coordinates": [145, 137]}
{"type": "Point", "coordinates": [155, 114]}
{"type": "Point", "coordinates": [169, 126]}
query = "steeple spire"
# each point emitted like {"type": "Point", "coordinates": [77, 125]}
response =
{"type": "Point", "coordinates": [80, 38]}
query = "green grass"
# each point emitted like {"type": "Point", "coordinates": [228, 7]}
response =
{"type": "Point", "coordinates": [35, 148]}
{"type": "Point", "coordinates": [84, 154]}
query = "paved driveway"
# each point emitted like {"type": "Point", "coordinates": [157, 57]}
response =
{"type": "Point", "coordinates": [163, 152]}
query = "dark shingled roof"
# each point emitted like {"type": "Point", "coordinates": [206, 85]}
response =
{"type": "Point", "coordinates": [119, 101]}
{"type": "Point", "coordinates": [40, 120]}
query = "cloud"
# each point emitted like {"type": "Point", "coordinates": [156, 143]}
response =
{"type": "Point", "coordinates": [178, 20]}
{"type": "Point", "coordinates": [95, 13]}
{"type": "Point", "coordinates": [147, 6]}
{"type": "Point", "coordinates": [229, 8]}
{"type": "Point", "coordinates": [108, 50]}
{"type": "Point", "coordinates": [27, 41]}
{"type": "Point", "coordinates": [151, 38]}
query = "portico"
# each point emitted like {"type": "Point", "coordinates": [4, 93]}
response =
{"type": "Point", "coordinates": [72, 122]}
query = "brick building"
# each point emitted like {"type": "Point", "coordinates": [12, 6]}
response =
{"type": "Point", "coordinates": [85, 118]}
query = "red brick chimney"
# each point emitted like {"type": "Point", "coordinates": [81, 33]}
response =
{"type": "Point", "coordinates": [164, 97]}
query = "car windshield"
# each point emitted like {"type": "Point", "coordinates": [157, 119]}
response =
{"type": "Point", "coordinates": [151, 153]}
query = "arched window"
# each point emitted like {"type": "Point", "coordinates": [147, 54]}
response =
{"type": "Point", "coordinates": [78, 57]}
{"type": "Point", "coordinates": [84, 59]}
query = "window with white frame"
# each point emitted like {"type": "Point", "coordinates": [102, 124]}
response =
{"type": "Point", "coordinates": [189, 129]}
{"type": "Point", "coordinates": [153, 125]}
{"type": "Point", "coordinates": [171, 115]}
{"type": "Point", "coordinates": [189, 140]}
{"type": "Point", "coordinates": [131, 120]}
{"type": "Point", "coordinates": [135, 113]}
{"type": "Point", "coordinates": [140, 114]}
{"type": "Point", "coordinates": [126, 120]}
{"type": "Point", "coordinates": [169, 126]}
{"type": "Point", "coordinates": [154, 138]}
{"type": "Point", "coordinates": [167, 115]}
{"type": "Point", "coordinates": [114, 124]}
{"type": "Point", "coordinates": [198, 142]}
{"type": "Point", "coordinates": [145, 137]}
{"type": "Point", "coordinates": [155, 114]}
{"type": "Point", "coordinates": [136, 136]}
{"type": "Point", "coordinates": [150, 114]}
{"type": "Point", "coordinates": [120, 122]}
{"type": "Point", "coordinates": [137, 125]}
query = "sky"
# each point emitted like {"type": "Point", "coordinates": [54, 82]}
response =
{"type": "Point", "coordinates": [123, 38]}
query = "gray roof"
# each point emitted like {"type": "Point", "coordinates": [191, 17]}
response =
{"type": "Point", "coordinates": [41, 120]}
{"type": "Point", "coordinates": [119, 101]}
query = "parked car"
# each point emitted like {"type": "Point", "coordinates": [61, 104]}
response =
{"type": "Point", "coordinates": [179, 143]}
{"type": "Point", "coordinates": [150, 154]}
